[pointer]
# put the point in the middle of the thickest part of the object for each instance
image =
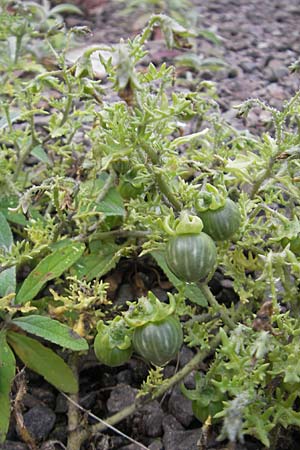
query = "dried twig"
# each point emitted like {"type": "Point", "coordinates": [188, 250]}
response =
{"type": "Point", "coordinates": [20, 383]}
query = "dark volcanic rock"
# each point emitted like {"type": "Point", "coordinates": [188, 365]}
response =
{"type": "Point", "coordinates": [179, 440]}
{"type": "Point", "coordinates": [39, 421]}
{"type": "Point", "coordinates": [121, 397]}
{"type": "Point", "coordinates": [11, 445]}
{"type": "Point", "coordinates": [152, 417]}
{"type": "Point", "coordinates": [180, 407]}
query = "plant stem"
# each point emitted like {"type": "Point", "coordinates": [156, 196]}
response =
{"type": "Point", "coordinates": [118, 233]}
{"type": "Point", "coordinates": [139, 402]}
{"type": "Point", "coordinates": [167, 384]}
{"type": "Point", "coordinates": [159, 177]}
{"type": "Point", "coordinates": [216, 305]}
{"type": "Point", "coordinates": [69, 102]}
{"type": "Point", "coordinates": [264, 176]}
{"type": "Point", "coordinates": [73, 412]}
{"type": "Point", "coordinates": [22, 157]}
{"type": "Point", "coordinates": [78, 436]}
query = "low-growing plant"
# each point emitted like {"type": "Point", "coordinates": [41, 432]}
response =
{"type": "Point", "coordinates": [95, 173]}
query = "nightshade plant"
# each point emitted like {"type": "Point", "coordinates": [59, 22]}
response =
{"type": "Point", "coordinates": [92, 174]}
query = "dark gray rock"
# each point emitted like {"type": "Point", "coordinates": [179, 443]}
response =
{"type": "Point", "coordinates": [88, 400]}
{"type": "Point", "coordinates": [185, 355]}
{"type": "Point", "coordinates": [39, 421]}
{"type": "Point", "coordinates": [276, 70]}
{"type": "Point", "coordinates": [152, 417]}
{"type": "Point", "coordinates": [180, 407]}
{"type": "Point", "coordinates": [129, 447]}
{"type": "Point", "coordinates": [170, 424]}
{"type": "Point", "coordinates": [125, 294]}
{"type": "Point", "coordinates": [61, 404]}
{"type": "Point", "coordinates": [248, 66]}
{"type": "Point", "coordinates": [59, 433]}
{"type": "Point", "coordinates": [50, 445]}
{"type": "Point", "coordinates": [11, 445]}
{"type": "Point", "coordinates": [179, 440]}
{"type": "Point", "coordinates": [44, 395]}
{"type": "Point", "coordinates": [161, 294]}
{"type": "Point", "coordinates": [124, 377]}
{"type": "Point", "coordinates": [120, 397]}
{"type": "Point", "coordinates": [156, 445]}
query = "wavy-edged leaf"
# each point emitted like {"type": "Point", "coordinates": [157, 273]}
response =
{"type": "Point", "coordinates": [191, 291]}
{"type": "Point", "coordinates": [52, 331]}
{"type": "Point", "coordinates": [43, 361]}
{"type": "Point", "coordinates": [7, 373]}
{"type": "Point", "coordinates": [52, 266]}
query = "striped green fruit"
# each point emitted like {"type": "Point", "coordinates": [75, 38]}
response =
{"type": "Point", "coordinates": [191, 257]}
{"type": "Point", "coordinates": [158, 342]}
{"type": "Point", "coordinates": [221, 223]}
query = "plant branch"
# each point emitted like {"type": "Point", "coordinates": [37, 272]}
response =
{"type": "Point", "coordinates": [83, 434]}
{"type": "Point", "coordinates": [119, 233]}
{"type": "Point", "coordinates": [73, 415]}
{"type": "Point", "coordinates": [159, 177]}
{"type": "Point", "coordinates": [216, 305]}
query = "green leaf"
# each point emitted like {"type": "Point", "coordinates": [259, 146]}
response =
{"type": "Point", "coordinates": [6, 237]}
{"type": "Point", "coordinates": [98, 264]}
{"type": "Point", "coordinates": [52, 331]}
{"type": "Point", "coordinates": [8, 276]}
{"type": "Point", "coordinates": [7, 373]}
{"type": "Point", "coordinates": [7, 281]}
{"type": "Point", "coordinates": [43, 361]}
{"type": "Point", "coordinates": [52, 266]}
{"type": "Point", "coordinates": [191, 291]}
{"type": "Point", "coordinates": [12, 216]}
{"type": "Point", "coordinates": [14, 116]}
{"type": "Point", "coordinates": [110, 205]}
{"type": "Point", "coordinates": [210, 36]}
{"type": "Point", "coordinates": [39, 153]}
{"type": "Point", "coordinates": [64, 8]}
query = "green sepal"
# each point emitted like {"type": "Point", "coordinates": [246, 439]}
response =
{"type": "Point", "coordinates": [185, 224]}
{"type": "Point", "coordinates": [211, 199]}
{"type": "Point", "coordinates": [115, 334]}
{"type": "Point", "coordinates": [149, 309]}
